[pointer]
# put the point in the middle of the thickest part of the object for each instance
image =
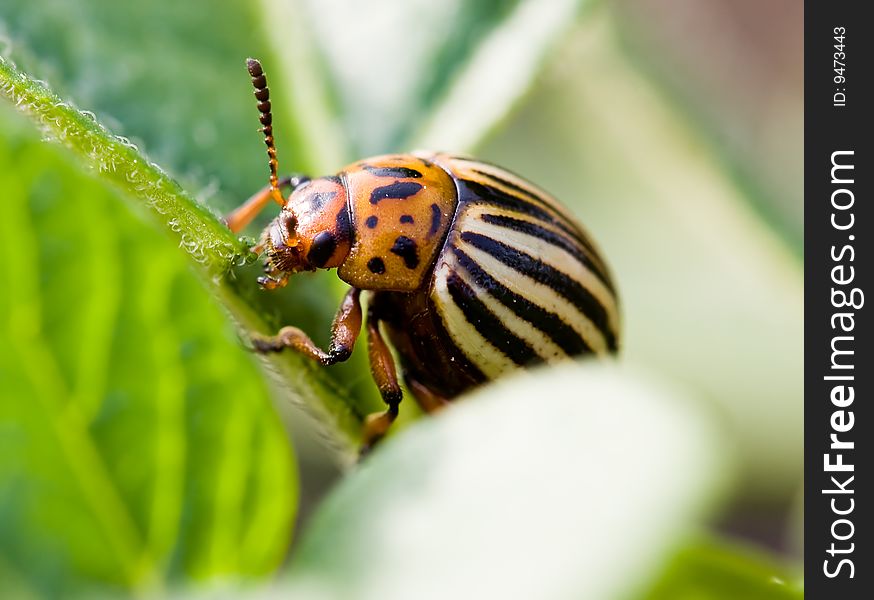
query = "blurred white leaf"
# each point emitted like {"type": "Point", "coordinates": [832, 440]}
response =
{"type": "Point", "coordinates": [572, 482]}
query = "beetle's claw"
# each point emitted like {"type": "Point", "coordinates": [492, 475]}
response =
{"type": "Point", "coordinates": [268, 282]}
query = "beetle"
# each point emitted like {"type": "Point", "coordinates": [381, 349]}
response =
{"type": "Point", "coordinates": [471, 270]}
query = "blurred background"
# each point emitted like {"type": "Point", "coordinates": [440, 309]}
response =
{"type": "Point", "coordinates": [141, 447]}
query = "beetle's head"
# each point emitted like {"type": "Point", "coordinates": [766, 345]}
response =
{"type": "Point", "coordinates": [312, 231]}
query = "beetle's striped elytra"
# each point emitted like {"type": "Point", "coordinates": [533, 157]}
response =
{"type": "Point", "coordinates": [471, 271]}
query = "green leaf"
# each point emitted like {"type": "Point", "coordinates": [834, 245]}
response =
{"type": "Point", "coordinates": [718, 570]}
{"type": "Point", "coordinates": [417, 73]}
{"type": "Point", "coordinates": [572, 482]}
{"type": "Point", "coordinates": [137, 445]}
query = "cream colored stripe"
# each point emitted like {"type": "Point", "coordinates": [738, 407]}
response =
{"type": "Point", "coordinates": [552, 255]}
{"type": "Point", "coordinates": [541, 343]}
{"type": "Point", "coordinates": [480, 209]}
{"type": "Point", "coordinates": [539, 294]}
{"type": "Point", "coordinates": [478, 350]}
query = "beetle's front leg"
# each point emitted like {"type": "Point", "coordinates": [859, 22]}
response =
{"type": "Point", "coordinates": [344, 333]}
{"type": "Point", "coordinates": [382, 367]}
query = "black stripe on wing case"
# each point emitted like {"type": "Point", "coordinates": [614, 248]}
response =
{"type": "Point", "coordinates": [543, 273]}
{"type": "Point", "coordinates": [553, 238]}
{"type": "Point", "coordinates": [548, 322]}
{"type": "Point", "coordinates": [566, 225]}
{"type": "Point", "coordinates": [509, 184]}
{"type": "Point", "coordinates": [487, 324]}
{"type": "Point", "coordinates": [493, 195]}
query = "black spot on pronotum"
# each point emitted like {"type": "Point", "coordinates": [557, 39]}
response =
{"type": "Point", "coordinates": [376, 265]}
{"type": "Point", "coordinates": [407, 219]}
{"type": "Point", "coordinates": [371, 221]}
{"type": "Point", "coordinates": [323, 247]}
{"type": "Point", "coordinates": [398, 190]}
{"type": "Point", "coordinates": [407, 250]}
{"type": "Point", "coordinates": [436, 217]}
{"type": "Point", "coordinates": [396, 172]}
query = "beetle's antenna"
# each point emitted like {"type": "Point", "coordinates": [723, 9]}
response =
{"type": "Point", "coordinates": [262, 94]}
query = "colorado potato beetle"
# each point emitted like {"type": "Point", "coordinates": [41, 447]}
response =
{"type": "Point", "coordinates": [471, 270]}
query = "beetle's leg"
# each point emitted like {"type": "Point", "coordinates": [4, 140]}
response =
{"type": "Point", "coordinates": [427, 400]}
{"type": "Point", "coordinates": [243, 215]}
{"type": "Point", "coordinates": [382, 366]}
{"type": "Point", "coordinates": [344, 332]}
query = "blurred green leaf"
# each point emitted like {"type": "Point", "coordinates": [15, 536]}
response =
{"type": "Point", "coordinates": [717, 570]}
{"type": "Point", "coordinates": [518, 493]}
{"type": "Point", "coordinates": [417, 73]}
{"type": "Point", "coordinates": [136, 442]}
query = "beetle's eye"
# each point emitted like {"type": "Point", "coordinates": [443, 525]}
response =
{"type": "Point", "coordinates": [322, 249]}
